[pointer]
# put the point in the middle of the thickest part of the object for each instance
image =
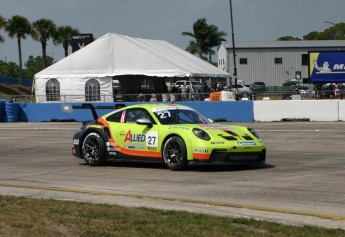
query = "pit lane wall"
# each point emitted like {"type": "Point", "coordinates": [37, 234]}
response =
{"type": "Point", "coordinates": [232, 111]}
{"type": "Point", "coordinates": [308, 110]}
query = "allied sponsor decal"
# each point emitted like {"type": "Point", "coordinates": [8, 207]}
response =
{"type": "Point", "coordinates": [76, 141]}
{"type": "Point", "coordinates": [217, 142]}
{"type": "Point", "coordinates": [150, 139]}
{"type": "Point", "coordinates": [134, 137]}
{"type": "Point", "coordinates": [246, 143]}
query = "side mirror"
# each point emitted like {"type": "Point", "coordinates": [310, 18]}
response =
{"type": "Point", "coordinates": [145, 121]}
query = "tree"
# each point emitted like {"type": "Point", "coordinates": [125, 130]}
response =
{"type": "Point", "coordinates": [214, 39]}
{"type": "Point", "coordinates": [335, 32]}
{"type": "Point", "coordinates": [205, 38]}
{"type": "Point", "coordinates": [288, 38]}
{"type": "Point", "coordinates": [9, 69]}
{"type": "Point", "coordinates": [34, 65]}
{"type": "Point", "coordinates": [311, 36]}
{"type": "Point", "coordinates": [19, 27]}
{"type": "Point", "coordinates": [63, 36]}
{"type": "Point", "coordinates": [42, 30]}
{"type": "Point", "coordinates": [2, 26]}
{"type": "Point", "coordinates": [197, 46]}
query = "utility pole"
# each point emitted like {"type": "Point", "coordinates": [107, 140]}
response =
{"type": "Point", "coordinates": [233, 44]}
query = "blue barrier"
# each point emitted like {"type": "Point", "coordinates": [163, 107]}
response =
{"type": "Point", "coordinates": [233, 111]}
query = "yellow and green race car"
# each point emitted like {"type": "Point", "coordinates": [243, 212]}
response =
{"type": "Point", "coordinates": [175, 134]}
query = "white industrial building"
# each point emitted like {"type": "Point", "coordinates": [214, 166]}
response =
{"type": "Point", "coordinates": [273, 62]}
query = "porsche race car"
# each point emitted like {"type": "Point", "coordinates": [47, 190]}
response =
{"type": "Point", "coordinates": [175, 134]}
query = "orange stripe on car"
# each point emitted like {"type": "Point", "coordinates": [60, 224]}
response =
{"type": "Point", "coordinates": [201, 156]}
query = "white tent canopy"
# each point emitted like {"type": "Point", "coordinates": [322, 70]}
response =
{"type": "Point", "coordinates": [117, 55]}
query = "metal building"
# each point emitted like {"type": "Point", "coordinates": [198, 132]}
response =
{"type": "Point", "coordinates": [273, 62]}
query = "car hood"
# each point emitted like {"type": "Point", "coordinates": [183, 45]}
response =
{"type": "Point", "coordinates": [221, 130]}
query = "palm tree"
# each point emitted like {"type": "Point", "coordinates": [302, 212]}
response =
{"type": "Point", "coordinates": [214, 39]}
{"type": "Point", "coordinates": [197, 45]}
{"type": "Point", "coordinates": [205, 38]}
{"type": "Point", "coordinates": [63, 36]}
{"type": "Point", "coordinates": [2, 25]}
{"type": "Point", "coordinates": [42, 30]}
{"type": "Point", "coordinates": [19, 27]}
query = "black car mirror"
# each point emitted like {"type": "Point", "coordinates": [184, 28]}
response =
{"type": "Point", "coordinates": [145, 121]}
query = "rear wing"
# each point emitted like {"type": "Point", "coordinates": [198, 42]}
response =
{"type": "Point", "coordinates": [67, 108]}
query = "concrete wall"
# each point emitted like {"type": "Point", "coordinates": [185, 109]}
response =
{"type": "Point", "coordinates": [313, 110]}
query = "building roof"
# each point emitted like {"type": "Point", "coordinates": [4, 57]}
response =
{"type": "Point", "coordinates": [331, 44]}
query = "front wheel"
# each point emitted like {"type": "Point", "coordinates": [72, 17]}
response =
{"type": "Point", "coordinates": [93, 149]}
{"type": "Point", "coordinates": [175, 153]}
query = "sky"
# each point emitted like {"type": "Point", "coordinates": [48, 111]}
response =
{"type": "Point", "coordinates": [254, 20]}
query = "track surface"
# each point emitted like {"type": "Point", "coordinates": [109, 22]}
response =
{"type": "Point", "coordinates": [302, 183]}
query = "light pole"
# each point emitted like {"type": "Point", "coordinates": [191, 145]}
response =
{"type": "Point", "coordinates": [233, 44]}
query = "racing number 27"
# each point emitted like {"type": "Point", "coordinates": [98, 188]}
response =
{"type": "Point", "coordinates": [152, 139]}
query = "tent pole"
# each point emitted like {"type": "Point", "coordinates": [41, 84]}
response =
{"type": "Point", "coordinates": [190, 87]}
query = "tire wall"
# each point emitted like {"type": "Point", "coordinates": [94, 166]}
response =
{"type": "Point", "coordinates": [2, 110]}
{"type": "Point", "coordinates": [12, 112]}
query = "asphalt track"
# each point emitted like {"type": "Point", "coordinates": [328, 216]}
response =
{"type": "Point", "coordinates": [303, 182]}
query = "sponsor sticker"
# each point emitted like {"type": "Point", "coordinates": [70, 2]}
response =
{"type": "Point", "coordinates": [197, 150]}
{"type": "Point", "coordinates": [95, 126]}
{"type": "Point", "coordinates": [246, 143]}
{"type": "Point", "coordinates": [152, 139]}
{"type": "Point", "coordinates": [76, 141]}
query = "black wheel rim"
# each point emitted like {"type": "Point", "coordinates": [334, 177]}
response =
{"type": "Point", "coordinates": [91, 149]}
{"type": "Point", "coordinates": [173, 153]}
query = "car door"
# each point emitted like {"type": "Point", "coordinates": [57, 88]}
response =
{"type": "Point", "coordinates": [137, 139]}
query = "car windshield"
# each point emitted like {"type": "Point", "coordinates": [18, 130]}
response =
{"type": "Point", "coordinates": [179, 115]}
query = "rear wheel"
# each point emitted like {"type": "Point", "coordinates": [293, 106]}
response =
{"type": "Point", "coordinates": [93, 149]}
{"type": "Point", "coordinates": [175, 153]}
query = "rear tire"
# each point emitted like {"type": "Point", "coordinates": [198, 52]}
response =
{"type": "Point", "coordinates": [175, 153]}
{"type": "Point", "coordinates": [93, 149]}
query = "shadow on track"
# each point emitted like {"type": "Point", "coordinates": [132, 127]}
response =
{"type": "Point", "coordinates": [191, 167]}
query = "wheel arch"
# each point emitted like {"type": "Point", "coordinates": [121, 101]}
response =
{"type": "Point", "coordinates": [102, 132]}
{"type": "Point", "coordinates": [185, 141]}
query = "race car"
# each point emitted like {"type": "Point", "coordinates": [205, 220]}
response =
{"type": "Point", "coordinates": [174, 134]}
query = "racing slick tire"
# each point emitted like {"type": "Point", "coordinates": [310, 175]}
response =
{"type": "Point", "coordinates": [93, 149]}
{"type": "Point", "coordinates": [175, 153]}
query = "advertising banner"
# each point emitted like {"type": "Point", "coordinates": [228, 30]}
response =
{"type": "Point", "coordinates": [327, 67]}
{"type": "Point", "coordinates": [79, 41]}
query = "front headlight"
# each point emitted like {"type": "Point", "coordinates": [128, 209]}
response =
{"type": "Point", "coordinates": [201, 134]}
{"type": "Point", "coordinates": [252, 131]}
